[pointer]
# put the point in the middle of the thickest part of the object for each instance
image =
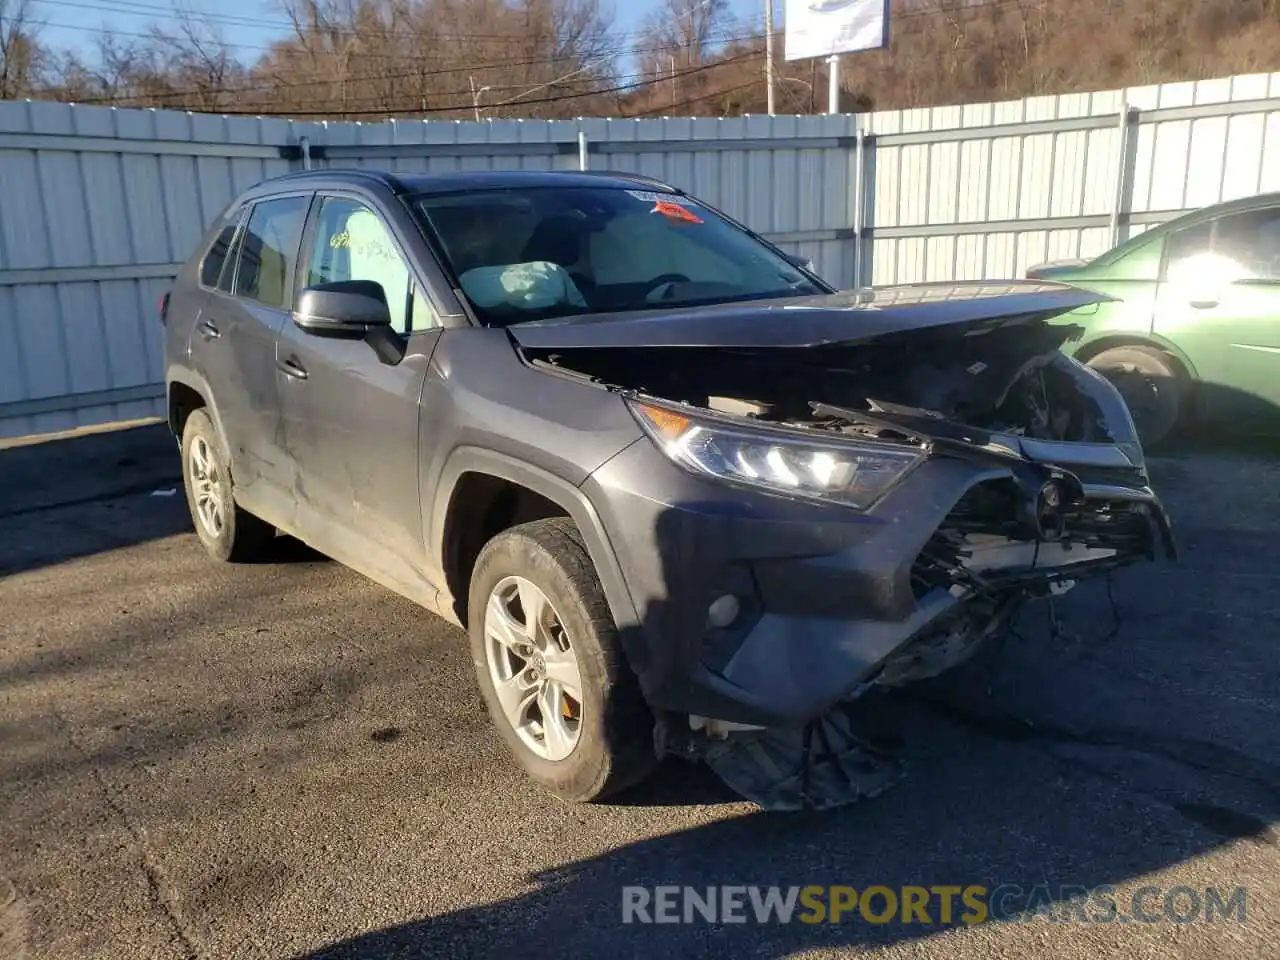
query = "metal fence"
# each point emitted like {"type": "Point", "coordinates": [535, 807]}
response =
{"type": "Point", "coordinates": [99, 206]}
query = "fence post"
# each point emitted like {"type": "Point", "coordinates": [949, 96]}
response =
{"type": "Point", "coordinates": [859, 199]}
{"type": "Point", "coordinates": [1124, 186]}
{"type": "Point", "coordinates": [583, 163]}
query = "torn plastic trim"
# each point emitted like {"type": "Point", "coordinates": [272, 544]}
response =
{"type": "Point", "coordinates": [965, 440]}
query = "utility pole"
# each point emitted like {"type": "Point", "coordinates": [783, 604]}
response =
{"type": "Point", "coordinates": [475, 96]}
{"type": "Point", "coordinates": [768, 54]}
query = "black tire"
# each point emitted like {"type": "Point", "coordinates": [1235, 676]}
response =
{"type": "Point", "coordinates": [1153, 387]}
{"type": "Point", "coordinates": [241, 536]}
{"type": "Point", "coordinates": [615, 745]}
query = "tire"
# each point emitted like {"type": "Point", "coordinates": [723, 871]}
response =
{"type": "Point", "coordinates": [1153, 387]}
{"type": "Point", "coordinates": [608, 724]}
{"type": "Point", "coordinates": [240, 536]}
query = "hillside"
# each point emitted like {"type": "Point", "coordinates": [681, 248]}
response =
{"type": "Point", "coordinates": [564, 58]}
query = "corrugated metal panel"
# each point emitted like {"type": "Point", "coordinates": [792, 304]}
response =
{"type": "Point", "coordinates": [1032, 160]}
{"type": "Point", "coordinates": [119, 196]}
{"type": "Point", "coordinates": [98, 206]}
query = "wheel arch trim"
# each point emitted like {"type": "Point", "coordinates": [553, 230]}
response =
{"type": "Point", "coordinates": [575, 503]}
{"type": "Point", "coordinates": [193, 381]}
{"type": "Point", "coordinates": [1095, 345]}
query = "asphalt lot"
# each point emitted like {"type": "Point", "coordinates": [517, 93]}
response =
{"type": "Point", "coordinates": [284, 760]}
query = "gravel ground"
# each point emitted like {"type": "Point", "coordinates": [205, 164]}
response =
{"type": "Point", "coordinates": [284, 760]}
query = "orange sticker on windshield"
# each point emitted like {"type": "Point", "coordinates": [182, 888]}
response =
{"type": "Point", "coordinates": [675, 211]}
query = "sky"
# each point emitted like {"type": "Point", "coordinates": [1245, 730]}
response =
{"type": "Point", "coordinates": [247, 25]}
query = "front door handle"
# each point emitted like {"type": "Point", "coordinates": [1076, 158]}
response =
{"type": "Point", "coordinates": [209, 330]}
{"type": "Point", "coordinates": [292, 368]}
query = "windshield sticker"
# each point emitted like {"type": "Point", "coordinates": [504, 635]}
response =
{"type": "Point", "coordinates": [646, 196]}
{"type": "Point", "coordinates": [664, 204]}
{"type": "Point", "coordinates": [675, 211]}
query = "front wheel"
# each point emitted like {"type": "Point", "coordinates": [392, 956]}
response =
{"type": "Point", "coordinates": [1152, 387]}
{"type": "Point", "coordinates": [550, 665]}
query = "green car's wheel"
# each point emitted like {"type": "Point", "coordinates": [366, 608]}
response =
{"type": "Point", "coordinates": [1152, 386]}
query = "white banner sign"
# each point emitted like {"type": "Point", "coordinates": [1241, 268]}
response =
{"type": "Point", "coordinates": [822, 28]}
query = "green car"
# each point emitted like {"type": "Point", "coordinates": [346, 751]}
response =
{"type": "Point", "coordinates": [1193, 334]}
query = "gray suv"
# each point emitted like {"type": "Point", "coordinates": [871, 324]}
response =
{"type": "Point", "coordinates": [680, 492]}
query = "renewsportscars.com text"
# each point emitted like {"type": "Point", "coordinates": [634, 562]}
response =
{"type": "Point", "coordinates": [937, 905]}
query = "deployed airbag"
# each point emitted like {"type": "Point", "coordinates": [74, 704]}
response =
{"type": "Point", "coordinates": [535, 285]}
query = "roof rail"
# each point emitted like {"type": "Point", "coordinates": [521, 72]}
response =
{"type": "Point", "coordinates": [628, 175]}
{"type": "Point", "coordinates": [383, 177]}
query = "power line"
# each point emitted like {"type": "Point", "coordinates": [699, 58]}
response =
{"type": "Point", "coordinates": [285, 25]}
{"type": "Point", "coordinates": [278, 85]}
{"type": "Point", "coordinates": [354, 32]}
{"type": "Point", "coordinates": [329, 29]}
{"type": "Point", "coordinates": [692, 100]}
{"type": "Point", "coordinates": [475, 68]}
{"type": "Point", "coordinates": [605, 91]}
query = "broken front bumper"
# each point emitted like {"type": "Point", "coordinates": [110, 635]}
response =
{"type": "Point", "coordinates": [830, 599]}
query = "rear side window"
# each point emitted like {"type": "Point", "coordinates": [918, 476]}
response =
{"type": "Point", "coordinates": [269, 251]}
{"type": "Point", "coordinates": [211, 267]}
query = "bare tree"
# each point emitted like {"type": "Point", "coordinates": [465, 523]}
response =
{"type": "Point", "coordinates": [20, 53]}
{"type": "Point", "coordinates": [194, 58]}
{"type": "Point", "coordinates": [559, 58]}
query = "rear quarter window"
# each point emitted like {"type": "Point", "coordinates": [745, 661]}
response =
{"type": "Point", "coordinates": [215, 258]}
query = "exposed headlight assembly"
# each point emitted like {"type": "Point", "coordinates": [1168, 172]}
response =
{"type": "Point", "coordinates": [852, 473]}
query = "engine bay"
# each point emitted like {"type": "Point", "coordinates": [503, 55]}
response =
{"type": "Point", "coordinates": [1010, 380]}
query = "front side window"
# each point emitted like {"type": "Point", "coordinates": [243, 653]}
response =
{"type": "Point", "coordinates": [353, 243]}
{"type": "Point", "coordinates": [1251, 240]}
{"type": "Point", "coordinates": [1228, 249]}
{"type": "Point", "coordinates": [542, 252]}
{"type": "Point", "coordinates": [269, 249]}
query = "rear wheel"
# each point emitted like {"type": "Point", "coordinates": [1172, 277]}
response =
{"type": "Point", "coordinates": [226, 531]}
{"type": "Point", "coordinates": [1153, 387]}
{"type": "Point", "coordinates": [550, 666]}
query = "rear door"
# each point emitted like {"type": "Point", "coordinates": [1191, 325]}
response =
{"type": "Point", "coordinates": [1219, 302]}
{"type": "Point", "coordinates": [350, 420]}
{"type": "Point", "coordinates": [237, 330]}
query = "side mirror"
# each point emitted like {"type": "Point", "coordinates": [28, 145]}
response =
{"type": "Point", "coordinates": [348, 309]}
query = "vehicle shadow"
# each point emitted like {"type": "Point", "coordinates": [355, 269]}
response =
{"type": "Point", "coordinates": [71, 497]}
{"type": "Point", "coordinates": [1074, 757]}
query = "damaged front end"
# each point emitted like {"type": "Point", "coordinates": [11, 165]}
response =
{"type": "Point", "coordinates": [985, 468]}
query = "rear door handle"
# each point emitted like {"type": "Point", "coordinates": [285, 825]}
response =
{"type": "Point", "coordinates": [291, 368]}
{"type": "Point", "coordinates": [209, 330]}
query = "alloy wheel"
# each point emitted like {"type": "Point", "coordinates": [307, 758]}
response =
{"type": "Point", "coordinates": [534, 668]}
{"type": "Point", "coordinates": [206, 478]}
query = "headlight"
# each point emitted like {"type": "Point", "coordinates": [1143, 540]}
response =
{"type": "Point", "coordinates": [855, 474]}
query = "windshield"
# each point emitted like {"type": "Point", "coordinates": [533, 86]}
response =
{"type": "Point", "coordinates": [542, 252]}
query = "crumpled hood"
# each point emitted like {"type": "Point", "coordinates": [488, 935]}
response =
{"type": "Point", "coordinates": [812, 321]}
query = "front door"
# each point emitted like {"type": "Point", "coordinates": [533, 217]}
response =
{"type": "Point", "coordinates": [350, 420]}
{"type": "Point", "coordinates": [1219, 301]}
{"type": "Point", "coordinates": [236, 337]}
